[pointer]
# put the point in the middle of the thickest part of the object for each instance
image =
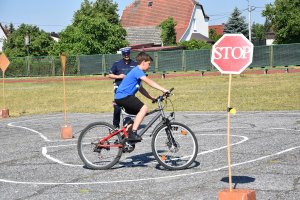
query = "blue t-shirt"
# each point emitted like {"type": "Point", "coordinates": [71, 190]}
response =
{"type": "Point", "coordinates": [120, 67]}
{"type": "Point", "coordinates": [130, 84]}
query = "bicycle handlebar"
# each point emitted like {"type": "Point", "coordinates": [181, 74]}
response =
{"type": "Point", "coordinates": [161, 98]}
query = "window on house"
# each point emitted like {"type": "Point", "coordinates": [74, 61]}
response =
{"type": "Point", "coordinates": [150, 3]}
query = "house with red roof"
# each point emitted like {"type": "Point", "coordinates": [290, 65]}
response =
{"type": "Point", "coordinates": [142, 18]}
{"type": "Point", "coordinates": [218, 28]}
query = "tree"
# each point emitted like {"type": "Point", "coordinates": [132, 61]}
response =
{"type": "Point", "coordinates": [195, 44]}
{"type": "Point", "coordinates": [258, 31]}
{"type": "Point", "coordinates": [285, 19]}
{"type": "Point", "coordinates": [101, 8]}
{"type": "Point", "coordinates": [40, 42]}
{"type": "Point", "coordinates": [96, 29]}
{"type": "Point", "coordinates": [9, 29]}
{"type": "Point", "coordinates": [236, 23]}
{"type": "Point", "coordinates": [168, 32]}
{"type": "Point", "coordinates": [213, 35]}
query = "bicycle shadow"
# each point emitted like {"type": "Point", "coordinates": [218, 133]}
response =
{"type": "Point", "coordinates": [143, 160]}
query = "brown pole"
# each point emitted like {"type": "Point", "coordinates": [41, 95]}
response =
{"type": "Point", "coordinates": [228, 134]}
{"type": "Point", "coordinates": [3, 89]}
{"type": "Point", "coordinates": [65, 103]}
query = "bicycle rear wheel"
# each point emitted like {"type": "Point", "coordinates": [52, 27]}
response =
{"type": "Point", "coordinates": [95, 156]}
{"type": "Point", "coordinates": [178, 153]}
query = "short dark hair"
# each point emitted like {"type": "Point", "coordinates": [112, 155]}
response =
{"type": "Point", "coordinates": [143, 57]}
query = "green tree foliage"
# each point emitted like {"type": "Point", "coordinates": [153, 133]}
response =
{"type": "Point", "coordinates": [285, 19]}
{"type": "Point", "coordinates": [195, 44]}
{"type": "Point", "coordinates": [168, 32]}
{"type": "Point", "coordinates": [258, 31]}
{"type": "Point", "coordinates": [101, 8]}
{"type": "Point", "coordinates": [95, 30]}
{"type": "Point", "coordinates": [236, 23]}
{"type": "Point", "coordinates": [9, 29]}
{"type": "Point", "coordinates": [213, 35]}
{"type": "Point", "coordinates": [40, 42]}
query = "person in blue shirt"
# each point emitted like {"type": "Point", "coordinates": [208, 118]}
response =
{"type": "Point", "coordinates": [125, 94]}
{"type": "Point", "coordinates": [118, 71]}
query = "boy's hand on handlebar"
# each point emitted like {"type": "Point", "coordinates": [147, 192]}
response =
{"type": "Point", "coordinates": [168, 92]}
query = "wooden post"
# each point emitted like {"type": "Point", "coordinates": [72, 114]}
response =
{"type": "Point", "coordinates": [78, 65]}
{"type": "Point", "coordinates": [156, 61]}
{"type": "Point", "coordinates": [271, 56]}
{"type": "Point", "coordinates": [183, 61]}
{"type": "Point", "coordinates": [228, 133]}
{"type": "Point", "coordinates": [53, 66]}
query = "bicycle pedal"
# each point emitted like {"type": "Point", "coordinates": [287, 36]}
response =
{"type": "Point", "coordinates": [129, 147]}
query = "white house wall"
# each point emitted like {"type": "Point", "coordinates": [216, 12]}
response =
{"type": "Point", "coordinates": [2, 38]}
{"type": "Point", "coordinates": [198, 24]}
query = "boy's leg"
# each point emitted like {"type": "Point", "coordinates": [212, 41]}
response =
{"type": "Point", "coordinates": [134, 106]}
{"type": "Point", "coordinates": [139, 118]}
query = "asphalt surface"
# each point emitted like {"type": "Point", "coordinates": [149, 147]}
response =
{"type": "Point", "coordinates": [35, 163]}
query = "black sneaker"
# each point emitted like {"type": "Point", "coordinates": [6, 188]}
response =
{"type": "Point", "coordinates": [134, 137]}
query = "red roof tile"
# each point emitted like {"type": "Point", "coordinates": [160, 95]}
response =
{"type": "Point", "coordinates": [218, 28]}
{"type": "Point", "coordinates": [139, 14]}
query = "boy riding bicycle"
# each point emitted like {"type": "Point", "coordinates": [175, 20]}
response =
{"type": "Point", "coordinates": [125, 94]}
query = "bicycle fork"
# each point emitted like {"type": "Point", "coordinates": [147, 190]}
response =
{"type": "Point", "coordinates": [171, 140]}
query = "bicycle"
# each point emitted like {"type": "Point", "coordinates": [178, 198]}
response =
{"type": "Point", "coordinates": [174, 145]}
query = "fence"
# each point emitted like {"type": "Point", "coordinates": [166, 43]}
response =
{"type": "Point", "coordinates": [164, 61]}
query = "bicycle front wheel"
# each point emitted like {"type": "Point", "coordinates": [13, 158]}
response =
{"type": "Point", "coordinates": [175, 146]}
{"type": "Point", "coordinates": [94, 155]}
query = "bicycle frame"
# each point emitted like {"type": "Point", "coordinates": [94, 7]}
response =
{"type": "Point", "coordinates": [124, 128]}
{"type": "Point", "coordinates": [155, 118]}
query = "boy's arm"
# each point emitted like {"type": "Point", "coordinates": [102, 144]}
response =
{"type": "Point", "coordinates": [153, 84]}
{"type": "Point", "coordinates": [145, 93]}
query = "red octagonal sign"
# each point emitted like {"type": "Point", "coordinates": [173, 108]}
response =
{"type": "Point", "coordinates": [232, 54]}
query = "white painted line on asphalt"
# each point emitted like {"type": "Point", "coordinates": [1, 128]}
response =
{"type": "Point", "coordinates": [149, 179]}
{"type": "Point", "coordinates": [224, 147]}
{"type": "Point", "coordinates": [29, 129]}
{"type": "Point", "coordinates": [34, 131]}
{"type": "Point", "coordinates": [44, 152]}
{"type": "Point", "coordinates": [243, 112]}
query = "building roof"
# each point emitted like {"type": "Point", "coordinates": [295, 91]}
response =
{"type": "Point", "coordinates": [150, 13]}
{"type": "Point", "coordinates": [164, 48]}
{"type": "Point", "coordinates": [199, 36]}
{"type": "Point", "coordinates": [143, 35]}
{"type": "Point", "coordinates": [270, 35]}
{"type": "Point", "coordinates": [218, 28]}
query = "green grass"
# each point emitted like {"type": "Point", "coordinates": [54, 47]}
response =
{"type": "Point", "coordinates": [249, 93]}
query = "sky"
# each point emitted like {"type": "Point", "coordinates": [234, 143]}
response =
{"type": "Point", "coordinates": [56, 15]}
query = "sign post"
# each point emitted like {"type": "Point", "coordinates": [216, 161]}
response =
{"type": "Point", "coordinates": [66, 129]}
{"type": "Point", "coordinates": [232, 54]}
{"type": "Point", "coordinates": [4, 62]}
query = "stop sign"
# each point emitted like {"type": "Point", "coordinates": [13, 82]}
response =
{"type": "Point", "coordinates": [232, 53]}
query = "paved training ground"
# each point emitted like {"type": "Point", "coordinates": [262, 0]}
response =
{"type": "Point", "coordinates": [36, 164]}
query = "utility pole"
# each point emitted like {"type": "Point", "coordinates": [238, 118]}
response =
{"type": "Point", "coordinates": [250, 9]}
